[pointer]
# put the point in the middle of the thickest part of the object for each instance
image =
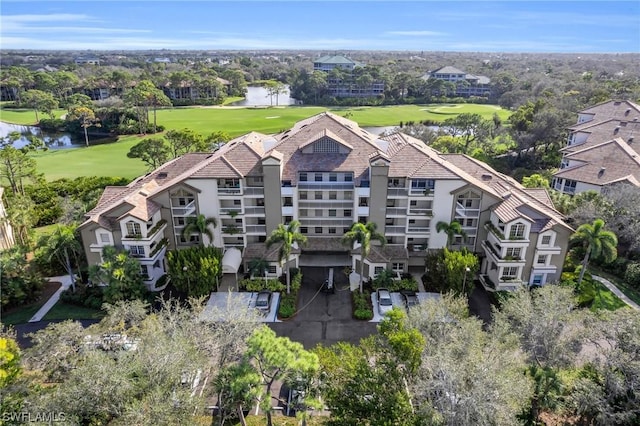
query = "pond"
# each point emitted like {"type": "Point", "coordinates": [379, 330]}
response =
{"type": "Point", "coordinates": [259, 96]}
{"type": "Point", "coordinates": [53, 140]}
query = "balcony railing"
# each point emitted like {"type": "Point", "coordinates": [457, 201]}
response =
{"type": "Point", "coordinates": [421, 211]}
{"type": "Point", "coordinates": [254, 190]}
{"type": "Point", "coordinates": [418, 229]}
{"type": "Point", "coordinates": [397, 192]}
{"type": "Point", "coordinates": [256, 229]}
{"type": "Point", "coordinates": [325, 185]}
{"type": "Point", "coordinates": [394, 211]}
{"type": "Point", "coordinates": [229, 190]}
{"type": "Point", "coordinates": [326, 221]}
{"type": "Point", "coordinates": [390, 229]}
{"type": "Point", "coordinates": [228, 210]}
{"type": "Point", "coordinates": [325, 204]}
{"type": "Point", "coordinates": [421, 192]}
{"type": "Point", "coordinates": [254, 210]}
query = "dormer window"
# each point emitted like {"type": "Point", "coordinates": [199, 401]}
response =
{"type": "Point", "coordinates": [326, 146]}
{"type": "Point", "coordinates": [517, 231]}
{"type": "Point", "coordinates": [133, 228]}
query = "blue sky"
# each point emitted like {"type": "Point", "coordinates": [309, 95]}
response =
{"type": "Point", "coordinates": [484, 26]}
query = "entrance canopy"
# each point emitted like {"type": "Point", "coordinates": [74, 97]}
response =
{"type": "Point", "coordinates": [231, 260]}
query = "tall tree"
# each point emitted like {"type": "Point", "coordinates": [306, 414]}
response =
{"type": "Point", "coordinates": [184, 141]}
{"type": "Point", "coordinates": [152, 151]}
{"type": "Point", "coordinates": [63, 246]}
{"type": "Point", "coordinates": [363, 234]}
{"type": "Point", "coordinates": [451, 230]}
{"type": "Point", "coordinates": [468, 127]}
{"type": "Point", "coordinates": [287, 237]}
{"type": "Point", "coordinates": [216, 139]}
{"type": "Point", "coordinates": [40, 101]}
{"type": "Point", "coordinates": [199, 225]}
{"type": "Point", "coordinates": [121, 273]}
{"type": "Point", "coordinates": [597, 243]}
{"type": "Point", "coordinates": [86, 117]}
{"type": "Point", "coordinates": [277, 358]}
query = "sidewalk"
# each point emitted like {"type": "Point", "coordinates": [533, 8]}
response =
{"type": "Point", "coordinates": [608, 284]}
{"type": "Point", "coordinates": [65, 280]}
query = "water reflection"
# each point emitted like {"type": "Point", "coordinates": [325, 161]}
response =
{"type": "Point", "coordinates": [259, 96]}
{"type": "Point", "coordinates": [53, 140]}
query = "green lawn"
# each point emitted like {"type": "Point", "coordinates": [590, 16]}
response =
{"type": "Point", "coordinates": [630, 292]}
{"type": "Point", "coordinates": [605, 299]}
{"type": "Point", "coordinates": [24, 116]}
{"type": "Point", "coordinates": [62, 311]}
{"type": "Point", "coordinates": [22, 315]}
{"type": "Point", "coordinates": [111, 159]}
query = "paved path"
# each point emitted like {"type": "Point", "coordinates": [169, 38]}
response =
{"type": "Point", "coordinates": [608, 284]}
{"type": "Point", "coordinates": [65, 280]}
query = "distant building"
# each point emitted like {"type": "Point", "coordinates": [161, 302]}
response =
{"type": "Point", "coordinates": [82, 60]}
{"type": "Point", "coordinates": [346, 86]}
{"type": "Point", "coordinates": [162, 60]}
{"type": "Point", "coordinates": [602, 148]}
{"type": "Point", "coordinates": [466, 84]}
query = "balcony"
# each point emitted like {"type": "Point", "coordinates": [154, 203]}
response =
{"type": "Point", "coordinates": [229, 190]}
{"type": "Point", "coordinates": [230, 210]}
{"type": "Point", "coordinates": [397, 192]}
{"type": "Point", "coordinates": [495, 255]}
{"type": "Point", "coordinates": [254, 210]}
{"type": "Point", "coordinates": [510, 284]}
{"type": "Point", "coordinates": [256, 229]}
{"type": "Point", "coordinates": [363, 191]}
{"type": "Point", "coordinates": [252, 191]}
{"type": "Point", "coordinates": [325, 185]}
{"type": "Point", "coordinates": [420, 211]}
{"type": "Point", "coordinates": [418, 229]}
{"type": "Point", "coordinates": [186, 210]}
{"type": "Point", "coordinates": [325, 204]}
{"type": "Point", "coordinates": [326, 221]}
{"type": "Point", "coordinates": [421, 192]}
{"type": "Point", "coordinates": [390, 229]}
{"type": "Point", "coordinates": [396, 211]}
{"type": "Point", "coordinates": [151, 233]}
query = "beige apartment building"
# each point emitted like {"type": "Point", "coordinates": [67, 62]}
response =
{"type": "Point", "coordinates": [328, 173]}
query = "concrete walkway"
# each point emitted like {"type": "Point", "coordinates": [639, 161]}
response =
{"type": "Point", "coordinates": [65, 280]}
{"type": "Point", "coordinates": [611, 286]}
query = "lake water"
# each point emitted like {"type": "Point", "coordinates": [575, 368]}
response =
{"type": "Point", "coordinates": [259, 96]}
{"type": "Point", "coordinates": [53, 140]}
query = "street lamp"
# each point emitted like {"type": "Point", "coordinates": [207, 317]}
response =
{"type": "Point", "coordinates": [185, 269]}
{"type": "Point", "coordinates": [464, 282]}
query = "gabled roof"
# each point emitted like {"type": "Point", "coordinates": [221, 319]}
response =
{"type": "Point", "coordinates": [448, 70]}
{"type": "Point", "coordinates": [335, 59]}
{"type": "Point", "coordinates": [325, 133]}
{"type": "Point", "coordinates": [384, 254]}
{"type": "Point", "coordinates": [600, 131]}
{"type": "Point", "coordinates": [603, 163]}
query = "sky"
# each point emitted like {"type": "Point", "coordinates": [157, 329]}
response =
{"type": "Point", "coordinates": [478, 26]}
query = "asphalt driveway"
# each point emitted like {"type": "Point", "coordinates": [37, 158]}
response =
{"type": "Point", "coordinates": [323, 317]}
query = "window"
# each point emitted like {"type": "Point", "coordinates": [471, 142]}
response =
{"type": "Point", "coordinates": [136, 250]}
{"type": "Point", "coordinates": [133, 229]}
{"type": "Point", "coordinates": [304, 230]}
{"type": "Point", "coordinates": [286, 183]}
{"type": "Point", "coordinates": [332, 213]}
{"type": "Point", "coordinates": [537, 279]}
{"type": "Point", "coordinates": [303, 213]}
{"type": "Point", "coordinates": [318, 177]}
{"type": "Point", "coordinates": [332, 230]}
{"type": "Point", "coordinates": [347, 213]}
{"type": "Point", "coordinates": [378, 270]}
{"type": "Point", "coordinates": [326, 145]}
{"type": "Point", "coordinates": [542, 259]}
{"type": "Point", "coordinates": [469, 222]}
{"type": "Point", "coordinates": [393, 183]}
{"type": "Point", "coordinates": [303, 195]}
{"type": "Point", "coordinates": [363, 219]}
{"type": "Point", "coordinates": [388, 221]}
{"type": "Point", "coordinates": [509, 272]}
{"type": "Point", "coordinates": [318, 230]}
{"type": "Point", "coordinates": [317, 213]}
{"type": "Point", "coordinates": [144, 271]}
{"type": "Point", "coordinates": [272, 269]}
{"type": "Point", "coordinates": [262, 238]}
{"type": "Point", "coordinates": [468, 203]}
{"type": "Point", "coordinates": [517, 231]}
{"type": "Point", "coordinates": [288, 202]}
{"type": "Point", "coordinates": [422, 184]}
{"type": "Point", "coordinates": [363, 202]}
{"type": "Point", "coordinates": [397, 267]}
{"type": "Point", "coordinates": [303, 177]}
{"type": "Point", "coordinates": [179, 221]}
{"type": "Point", "coordinates": [514, 252]}
{"type": "Point", "coordinates": [288, 219]}
{"type": "Point", "coordinates": [318, 195]}
{"type": "Point", "coordinates": [333, 177]}
{"type": "Point", "coordinates": [105, 238]}
{"type": "Point", "coordinates": [333, 195]}
{"type": "Point", "coordinates": [237, 202]}
{"type": "Point", "coordinates": [261, 221]}
{"type": "Point", "coordinates": [391, 203]}
{"type": "Point", "coordinates": [546, 240]}
{"type": "Point", "coordinates": [260, 202]}
{"type": "Point", "coordinates": [348, 178]}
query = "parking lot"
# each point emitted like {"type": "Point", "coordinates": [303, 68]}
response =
{"type": "Point", "coordinates": [224, 306]}
{"type": "Point", "coordinates": [398, 302]}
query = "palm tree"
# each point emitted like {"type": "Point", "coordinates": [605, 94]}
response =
{"type": "Point", "coordinates": [63, 246]}
{"type": "Point", "coordinates": [199, 225]}
{"type": "Point", "coordinates": [597, 243]}
{"type": "Point", "coordinates": [259, 267]}
{"type": "Point", "coordinates": [451, 229]}
{"type": "Point", "coordinates": [287, 236]}
{"type": "Point", "coordinates": [363, 234]}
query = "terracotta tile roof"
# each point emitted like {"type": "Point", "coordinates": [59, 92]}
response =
{"type": "Point", "coordinates": [603, 164]}
{"type": "Point", "coordinates": [410, 157]}
{"type": "Point", "coordinates": [540, 194]}
{"type": "Point", "coordinates": [325, 133]}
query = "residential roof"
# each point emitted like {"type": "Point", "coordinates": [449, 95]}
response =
{"type": "Point", "coordinates": [261, 251]}
{"type": "Point", "coordinates": [335, 59]}
{"type": "Point", "coordinates": [384, 254]}
{"type": "Point", "coordinates": [602, 164]}
{"type": "Point", "coordinates": [621, 109]}
{"type": "Point", "coordinates": [600, 131]}
{"type": "Point", "coordinates": [448, 70]}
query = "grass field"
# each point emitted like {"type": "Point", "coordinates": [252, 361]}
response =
{"type": "Point", "coordinates": [63, 311]}
{"type": "Point", "coordinates": [111, 159]}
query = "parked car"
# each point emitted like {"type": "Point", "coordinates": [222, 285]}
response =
{"type": "Point", "coordinates": [263, 302]}
{"type": "Point", "coordinates": [410, 298]}
{"type": "Point", "coordinates": [384, 300]}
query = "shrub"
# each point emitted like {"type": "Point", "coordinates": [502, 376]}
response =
{"type": "Point", "coordinates": [384, 279]}
{"type": "Point", "coordinates": [85, 295]}
{"type": "Point", "coordinates": [362, 308]}
{"type": "Point", "coordinates": [259, 284]}
{"type": "Point", "coordinates": [287, 305]}
{"type": "Point", "coordinates": [632, 275]}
